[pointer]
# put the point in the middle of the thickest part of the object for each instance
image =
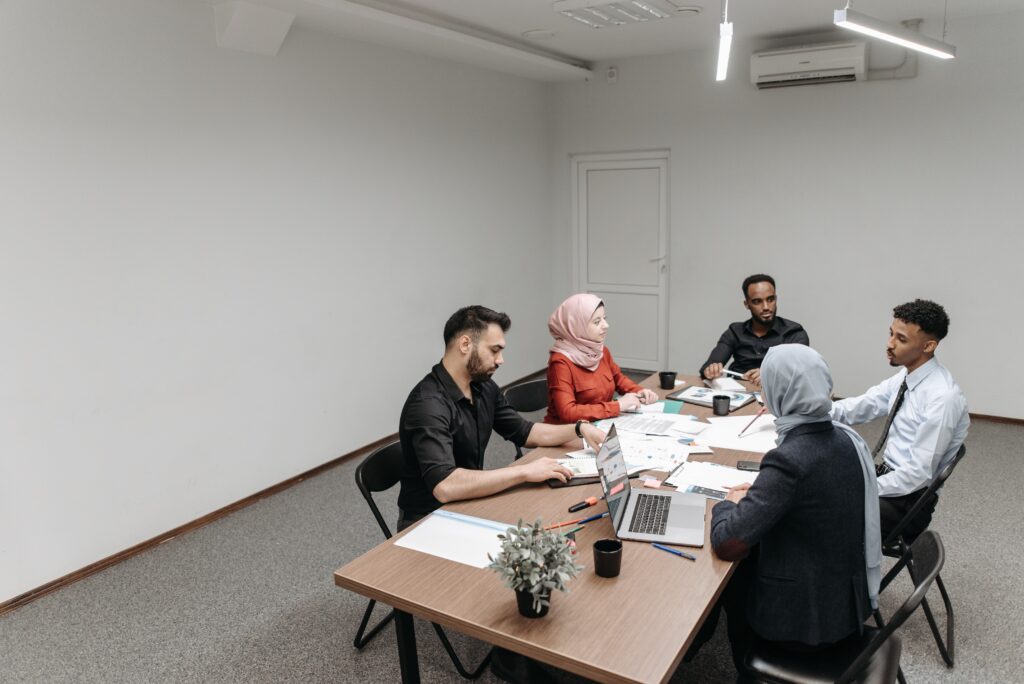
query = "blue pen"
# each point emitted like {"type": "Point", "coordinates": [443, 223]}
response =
{"type": "Point", "coordinates": [593, 517]}
{"type": "Point", "coordinates": [674, 552]}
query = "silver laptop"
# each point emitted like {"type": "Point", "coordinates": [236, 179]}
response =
{"type": "Point", "coordinates": [647, 515]}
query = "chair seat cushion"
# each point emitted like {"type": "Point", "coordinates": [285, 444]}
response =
{"type": "Point", "coordinates": [771, 663]}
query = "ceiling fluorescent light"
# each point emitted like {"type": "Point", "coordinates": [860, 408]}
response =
{"type": "Point", "coordinates": [724, 45]}
{"type": "Point", "coordinates": [869, 26]}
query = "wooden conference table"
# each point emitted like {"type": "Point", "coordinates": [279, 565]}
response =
{"type": "Point", "coordinates": [632, 628]}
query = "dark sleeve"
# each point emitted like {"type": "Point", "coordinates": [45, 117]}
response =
{"type": "Point", "coordinates": [507, 421]}
{"type": "Point", "coordinates": [428, 424]}
{"type": "Point", "coordinates": [799, 336]}
{"type": "Point", "coordinates": [736, 528]}
{"type": "Point", "coordinates": [722, 351]}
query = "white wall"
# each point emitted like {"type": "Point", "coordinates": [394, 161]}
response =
{"type": "Point", "coordinates": [218, 270]}
{"type": "Point", "coordinates": [857, 197]}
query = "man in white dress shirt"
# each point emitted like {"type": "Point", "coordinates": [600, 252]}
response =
{"type": "Point", "coordinates": [927, 415]}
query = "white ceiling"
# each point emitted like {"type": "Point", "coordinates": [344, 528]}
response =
{"type": "Point", "coordinates": [489, 33]}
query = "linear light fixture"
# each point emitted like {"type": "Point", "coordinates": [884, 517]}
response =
{"type": "Point", "coordinates": [724, 45]}
{"type": "Point", "coordinates": [724, 42]}
{"type": "Point", "coordinates": [869, 26]}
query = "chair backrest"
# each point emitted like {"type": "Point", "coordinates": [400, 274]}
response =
{"type": "Point", "coordinates": [528, 396]}
{"type": "Point", "coordinates": [928, 556]}
{"type": "Point", "coordinates": [378, 472]}
{"type": "Point", "coordinates": [936, 483]}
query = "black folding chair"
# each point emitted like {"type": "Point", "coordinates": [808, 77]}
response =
{"type": "Point", "coordinates": [379, 472]}
{"type": "Point", "coordinates": [871, 657]}
{"type": "Point", "coordinates": [527, 397]}
{"type": "Point", "coordinates": [895, 546]}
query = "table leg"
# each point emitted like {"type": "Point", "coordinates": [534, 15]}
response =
{"type": "Point", "coordinates": [405, 630]}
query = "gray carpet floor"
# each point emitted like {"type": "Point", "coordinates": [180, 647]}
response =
{"type": "Point", "coordinates": [250, 598]}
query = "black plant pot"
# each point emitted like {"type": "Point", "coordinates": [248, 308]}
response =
{"type": "Point", "coordinates": [524, 600]}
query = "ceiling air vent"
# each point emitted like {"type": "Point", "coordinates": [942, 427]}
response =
{"type": "Point", "coordinates": [610, 15]}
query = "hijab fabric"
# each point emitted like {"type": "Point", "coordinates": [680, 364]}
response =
{"type": "Point", "coordinates": [568, 325]}
{"type": "Point", "coordinates": [797, 389]}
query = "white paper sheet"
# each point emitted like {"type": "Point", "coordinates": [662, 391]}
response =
{"type": "Point", "coordinates": [726, 385]}
{"type": "Point", "coordinates": [457, 537]}
{"type": "Point", "coordinates": [641, 452]}
{"type": "Point", "coordinates": [710, 475]}
{"type": "Point", "coordinates": [652, 424]}
{"type": "Point", "coordinates": [724, 433]}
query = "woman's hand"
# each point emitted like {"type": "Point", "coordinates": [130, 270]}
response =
{"type": "Point", "coordinates": [629, 402]}
{"type": "Point", "coordinates": [647, 396]}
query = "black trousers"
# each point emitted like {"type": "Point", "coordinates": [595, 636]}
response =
{"type": "Point", "coordinates": [892, 509]}
{"type": "Point", "coordinates": [406, 519]}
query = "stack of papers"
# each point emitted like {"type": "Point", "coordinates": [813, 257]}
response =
{"type": "Point", "coordinates": [710, 475]}
{"type": "Point", "coordinates": [641, 452]}
{"type": "Point", "coordinates": [649, 424]}
{"type": "Point", "coordinates": [725, 384]}
{"type": "Point", "coordinates": [724, 433]}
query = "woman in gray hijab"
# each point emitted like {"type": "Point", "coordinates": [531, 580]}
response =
{"type": "Point", "coordinates": [807, 529]}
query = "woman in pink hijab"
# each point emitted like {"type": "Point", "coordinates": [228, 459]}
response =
{"type": "Point", "coordinates": [582, 375]}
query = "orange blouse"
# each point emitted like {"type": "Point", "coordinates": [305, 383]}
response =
{"type": "Point", "coordinates": [575, 393]}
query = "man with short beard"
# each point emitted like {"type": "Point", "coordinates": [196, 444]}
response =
{"type": "Point", "coordinates": [746, 342]}
{"type": "Point", "coordinates": [927, 415]}
{"type": "Point", "coordinates": [447, 421]}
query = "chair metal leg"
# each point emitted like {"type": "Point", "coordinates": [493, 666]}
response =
{"type": "Point", "coordinates": [475, 674]}
{"type": "Point", "coordinates": [945, 647]}
{"type": "Point", "coordinates": [361, 640]}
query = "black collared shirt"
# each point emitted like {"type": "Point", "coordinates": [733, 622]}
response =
{"type": "Point", "coordinates": [747, 349]}
{"type": "Point", "coordinates": [441, 430]}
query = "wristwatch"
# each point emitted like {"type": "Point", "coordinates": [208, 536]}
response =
{"type": "Point", "coordinates": [579, 433]}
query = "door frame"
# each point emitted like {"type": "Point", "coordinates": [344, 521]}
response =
{"type": "Point", "coordinates": [580, 163]}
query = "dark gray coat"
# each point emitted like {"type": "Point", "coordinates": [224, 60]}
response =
{"type": "Point", "coordinates": [806, 513]}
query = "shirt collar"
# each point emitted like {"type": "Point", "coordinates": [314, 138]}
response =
{"type": "Point", "coordinates": [914, 379]}
{"type": "Point", "coordinates": [748, 325]}
{"type": "Point", "coordinates": [448, 383]}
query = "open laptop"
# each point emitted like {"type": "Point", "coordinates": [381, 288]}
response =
{"type": "Point", "coordinates": [643, 515]}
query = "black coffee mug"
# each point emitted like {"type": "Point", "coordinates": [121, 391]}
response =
{"type": "Point", "coordinates": [720, 404]}
{"type": "Point", "coordinates": [607, 557]}
{"type": "Point", "coordinates": [667, 379]}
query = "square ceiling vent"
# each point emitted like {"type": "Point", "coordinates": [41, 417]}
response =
{"type": "Point", "coordinates": [623, 13]}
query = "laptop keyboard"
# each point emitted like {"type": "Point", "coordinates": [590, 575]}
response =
{"type": "Point", "coordinates": [650, 515]}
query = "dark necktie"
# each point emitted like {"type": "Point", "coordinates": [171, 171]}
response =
{"type": "Point", "coordinates": [888, 420]}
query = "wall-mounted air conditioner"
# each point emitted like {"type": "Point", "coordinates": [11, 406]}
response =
{"type": "Point", "coordinates": [809, 64]}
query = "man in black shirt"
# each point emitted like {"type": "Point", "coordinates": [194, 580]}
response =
{"type": "Point", "coordinates": [447, 421]}
{"type": "Point", "coordinates": [746, 342]}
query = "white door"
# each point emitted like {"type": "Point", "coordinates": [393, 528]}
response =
{"type": "Point", "coordinates": [621, 254]}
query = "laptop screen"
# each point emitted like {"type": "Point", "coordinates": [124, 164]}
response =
{"type": "Point", "coordinates": [611, 466]}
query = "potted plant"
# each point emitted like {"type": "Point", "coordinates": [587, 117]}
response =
{"type": "Point", "coordinates": [533, 562]}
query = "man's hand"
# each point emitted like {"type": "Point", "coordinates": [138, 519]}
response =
{"type": "Point", "coordinates": [753, 375]}
{"type": "Point", "coordinates": [593, 436]}
{"type": "Point", "coordinates": [737, 493]}
{"type": "Point", "coordinates": [647, 396]}
{"type": "Point", "coordinates": [629, 402]}
{"type": "Point", "coordinates": [713, 371]}
{"type": "Point", "coordinates": [545, 469]}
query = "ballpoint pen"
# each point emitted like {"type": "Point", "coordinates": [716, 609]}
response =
{"type": "Point", "coordinates": [581, 521]}
{"type": "Point", "coordinates": [674, 552]}
{"type": "Point", "coordinates": [759, 414]}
